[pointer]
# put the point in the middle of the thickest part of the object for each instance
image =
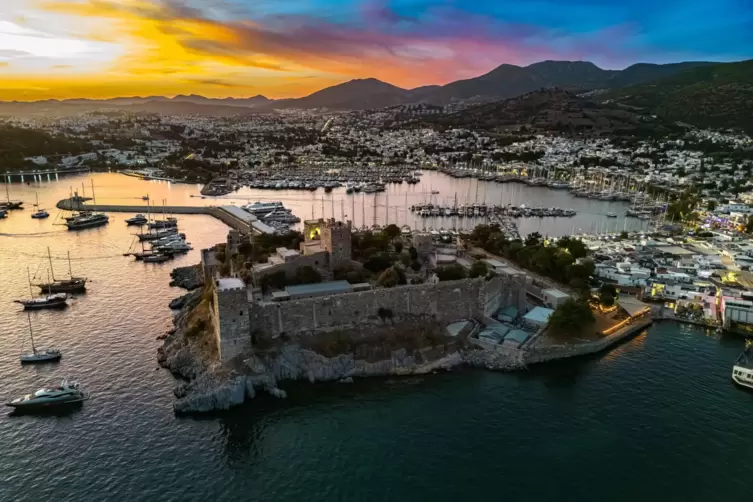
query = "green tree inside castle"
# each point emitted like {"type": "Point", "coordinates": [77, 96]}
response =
{"type": "Point", "coordinates": [564, 260]}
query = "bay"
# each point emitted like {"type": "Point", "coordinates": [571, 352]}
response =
{"type": "Point", "coordinates": [657, 417]}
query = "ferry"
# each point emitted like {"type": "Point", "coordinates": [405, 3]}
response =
{"type": "Point", "coordinates": [262, 208]}
{"type": "Point", "coordinates": [742, 371]}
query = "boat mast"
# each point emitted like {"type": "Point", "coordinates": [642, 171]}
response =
{"type": "Point", "coordinates": [49, 257]}
{"type": "Point", "coordinates": [31, 334]}
{"type": "Point", "coordinates": [28, 275]}
{"type": "Point", "coordinates": [70, 269]}
{"type": "Point", "coordinates": [94, 197]}
{"type": "Point", "coordinates": [49, 284]}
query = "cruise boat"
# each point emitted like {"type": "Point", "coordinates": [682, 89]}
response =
{"type": "Point", "coordinates": [38, 355]}
{"type": "Point", "coordinates": [262, 208]}
{"type": "Point", "coordinates": [88, 221]}
{"type": "Point", "coordinates": [742, 371]}
{"type": "Point", "coordinates": [68, 393]}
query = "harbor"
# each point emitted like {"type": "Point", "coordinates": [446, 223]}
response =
{"type": "Point", "coordinates": [108, 340]}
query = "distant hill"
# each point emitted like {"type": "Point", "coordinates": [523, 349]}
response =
{"type": "Point", "coordinates": [356, 94]}
{"type": "Point", "coordinates": [507, 81]}
{"type": "Point", "coordinates": [165, 106]}
{"type": "Point", "coordinates": [718, 96]}
{"type": "Point", "coordinates": [542, 111]}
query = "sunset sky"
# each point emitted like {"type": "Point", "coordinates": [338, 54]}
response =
{"type": "Point", "coordinates": [285, 48]}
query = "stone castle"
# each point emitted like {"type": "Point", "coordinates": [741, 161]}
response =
{"type": "Point", "coordinates": [242, 316]}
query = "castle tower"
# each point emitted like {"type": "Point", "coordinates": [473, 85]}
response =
{"type": "Point", "coordinates": [336, 237]}
{"type": "Point", "coordinates": [232, 321]}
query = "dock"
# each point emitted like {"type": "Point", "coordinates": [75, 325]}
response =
{"type": "Point", "coordinates": [229, 215]}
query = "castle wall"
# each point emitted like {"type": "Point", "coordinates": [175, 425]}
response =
{"type": "Point", "coordinates": [231, 321]}
{"type": "Point", "coordinates": [319, 261]}
{"type": "Point", "coordinates": [445, 302]}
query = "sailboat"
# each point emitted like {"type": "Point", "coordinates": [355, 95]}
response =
{"type": "Point", "coordinates": [41, 355]}
{"type": "Point", "coordinates": [51, 301]}
{"type": "Point", "coordinates": [72, 285]}
{"type": "Point", "coordinates": [10, 204]}
{"type": "Point", "coordinates": [39, 214]}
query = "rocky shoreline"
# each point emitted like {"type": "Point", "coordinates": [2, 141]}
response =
{"type": "Point", "coordinates": [208, 386]}
{"type": "Point", "coordinates": [189, 278]}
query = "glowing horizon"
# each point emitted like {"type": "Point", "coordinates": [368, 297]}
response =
{"type": "Point", "coordinates": [96, 49]}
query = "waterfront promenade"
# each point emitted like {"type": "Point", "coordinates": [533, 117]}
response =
{"type": "Point", "coordinates": [221, 213]}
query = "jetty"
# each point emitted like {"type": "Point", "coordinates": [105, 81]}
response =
{"type": "Point", "coordinates": [232, 216]}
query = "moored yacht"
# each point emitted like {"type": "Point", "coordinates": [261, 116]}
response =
{"type": "Point", "coordinates": [742, 371]}
{"type": "Point", "coordinates": [88, 221]}
{"type": "Point", "coordinates": [69, 392]}
{"type": "Point", "coordinates": [139, 219]}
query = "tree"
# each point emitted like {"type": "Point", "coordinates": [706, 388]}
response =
{"type": "Point", "coordinates": [608, 289]}
{"type": "Point", "coordinates": [749, 225]}
{"type": "Point", "coordinates": [391, 231]}
{"type": "Point", "coordinates": [533, 239]}
{"type": "Point", "coordinates": [398, 246]}
{"type": "Point", "coordinates": [478, 269]}
{"type": "Point", "coordinates": [606, 299]}
{"type": "Point", "coordinates": [389, 278]}
{"type": "Point", "coordinates": [577, 248]}
{"type": "Point", "coordinates": [415, 265]}
{"type": "Point", "coordinates": [450, 273]}
{"type": "Point", "coordinates": [378, 263]}
{"type": "Point", "coordinates": [571, 317]}
{"type": "Point", "coordinates": [711, 205]}
{"type": "Point", "coordinates": [413, 253]}
{"type": "Point", "coordinates": [307, 275]}
{"type": "Point", "coordinates": [624, 235]}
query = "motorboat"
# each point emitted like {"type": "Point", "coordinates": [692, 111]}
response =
{"type": "Point", "coordinates": [166, 223]}
{"type": "Point", "coordinates": [88, 221]}
{"type": "Point", "coordinates": [3, 213]}
{"type": "Point", "coordinates": [611, 215]}
{"type": "Point", "coordinates": [139, 219]}
{"type": "Point", "coordinates": [68, 393]}
{"type": "Point", "coordinates": [742, 370]}
{"type": "Point", "coordinates": [38, 355]}
{"type": "Point", "coordinates": [156, 258]}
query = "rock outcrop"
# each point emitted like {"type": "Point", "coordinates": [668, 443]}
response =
{"type": "Point", "coordinates": [189, 278]}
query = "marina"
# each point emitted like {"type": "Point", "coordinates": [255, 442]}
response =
{"type": "Point", "coordinates": [108, 340]}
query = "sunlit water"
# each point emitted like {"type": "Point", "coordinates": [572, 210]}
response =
{"type": "Point", "coordinates": [656, 418]}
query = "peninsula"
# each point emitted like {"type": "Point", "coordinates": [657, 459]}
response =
{"type": "Point", "coordinates": [333, 304]}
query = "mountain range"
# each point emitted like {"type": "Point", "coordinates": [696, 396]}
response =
{"type": "Point", "coordinates": [664, 89]}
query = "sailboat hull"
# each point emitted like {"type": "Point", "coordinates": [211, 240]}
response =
{"type": "Point", "coordinates": [40, 358]}
{"type": "Point", "coordinates": [77, 286]}
{"type": "Point", "coordinates": [44, 303]}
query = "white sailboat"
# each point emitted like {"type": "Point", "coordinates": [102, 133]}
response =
{"type": "Point", "coordinates": [39, 355]}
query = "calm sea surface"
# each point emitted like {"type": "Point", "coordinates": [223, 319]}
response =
{"type": "Point", "coordinates": [656, 418]}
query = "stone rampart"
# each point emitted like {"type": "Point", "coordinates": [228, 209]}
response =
{"type": "Point", "coordinates": [444, 302]}
{"type": "Point", "coordinates": [319, 261]}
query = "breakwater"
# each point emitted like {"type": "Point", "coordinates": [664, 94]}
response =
{"type": "Point", "coordinates": [218, 212]}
